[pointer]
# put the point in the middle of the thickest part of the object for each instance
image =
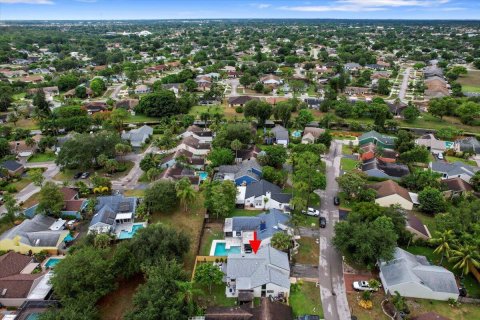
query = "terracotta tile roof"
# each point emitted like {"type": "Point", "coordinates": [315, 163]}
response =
{"type": "Point", "coordinates": [457, 184]}
{"type": "Point", "coordinates": [12, 282]}
{"type": "Point", "coordinates": [12, 263]}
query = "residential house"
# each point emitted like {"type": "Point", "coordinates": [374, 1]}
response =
{"type": "Point", "coordinates": [432, 71]}
{"type": "Point", "coordinates": [391, 193]}
{"type": "Point", "coordinates": [271, 80]}
{"type": "Point", "coordinates": [138, 137]}
{"type": "Point", "coordinates": [178, 171]}
{"type": "Point", "coordinates": [193, 145]}
{"type": "Point", "coordinates": [196, 162]}
{"type": "Point", "coordinates": [265, 274]}
{"type": "Point", "coordinates": [95, 106]}
{"type": "Point", "coordinates": [73, 205]}
{"type": "Point", "coordinates": [313, 103]}
{"type": "Point", "coordinates": [72, 93]}
{"type": "Point", "coordinates": [416, 227]}
{"type": "Point", "coordinates": [267, 310]}
{"type": "Point", "coordinates": [352, 66]}
{"type": "Point", "coordinates": [242, 173]}
{"type": "Point", "coordinates": [433, 144]}
{"type": "Point", "coordinates": [262, 195]}
{"type": "Point", "coordinates": [22, 149]}
{"type": "Point", "coordinates": [246, 154]}
{"type": "Point", "coordinates": [281, 135]}
{"type": "Point", "coordinates": [451, 170]}
{"type": "Point", "coordinates": [381, 169]}
{"type": "Point", "coordinates": [397, 108]}
{"type": "Point", "coordinates": [202, 135]}
{"type": "Point", "coordinates": [311, 134]}
{"type": "Point", "coordinates": [13, 168]}
{"type": "Point", "coordinates": [17, 280]}
{"type": "Point", "coordinates": [455, 186]}
{"type": "Point", "coordinates": [115, 215]}
{"type": "Point", "coordinates": [436, 87]}
{"type": "Point", "coordinates": [239, 101]}
{"type": "Point", "coordinates": [127, 104]}
{"type": "Point", "coordinates": [370, 151]}
{"type": "Point", "coordinates": [174, 87]}
{"type": "Point", "coordinates": [414, 277]}
{"type": "Point", "coordinates": [204, 82]}
{"type": "Point", "coordinates": [142, 89]}
{"type": "Point", "coordinates": [355, 91]}
{"type": "Point", "coordinates": [50, 92]}
{"type": "Point", "coordinates": [34, 235]}
{"type": "Point", "coordinates": [470, 144]}
{"type": "Point", "coordinates": [378, 139]}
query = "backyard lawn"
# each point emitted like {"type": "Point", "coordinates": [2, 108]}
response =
{"type": "Point", "coordinates": [427, 220]}
{"type": "Point", "coordinates": [216, 298]}
{"type": "Point", "coordinates": [189, 222]}
{"type": "Point", "coordinates": [307, 252]}
{"type": "Point", "coordinates": [42, 157]}
{"type": "Point", "coordinates": [455, 159]}
{"type": "Point", "coordinates": [134, 193]}
{"type": "Point", "coordinates": [139, 118]}
{"type": "Point", "coordinates": [212, 232]}
{"type": "Point", "coordinates": [245, 213]}
{"type": "Point", "coordinates": [214, 109]}
{"type": "Point", "coordinates": [348, 164]}
{"type": "Point", "coordinates": [362, 314]}
{"type": "Point", "coordinates": [346, 149]}
{"type": "Point", "coordinates": [470, 82]}
{"type": "Point", "coordinates": [306, 300]}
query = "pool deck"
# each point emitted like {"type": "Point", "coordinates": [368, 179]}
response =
{"type": "Point", "coordinates": [44, 263]}
{"type": "Point", "coordinates": [229, 242]}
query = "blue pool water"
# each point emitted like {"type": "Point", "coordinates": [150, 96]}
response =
{"type": "Point", "coordinates": [52, 262]}
{"type": "Point", "coordinates": [297, 134]}
{"type": "Point", "coordinates": [33, 316]}
{"type": "Point", "coordinates": [221, 250]}
{"type": "Point", "coordinates": [129, 235]}
{"type": "Point", "coordinates": [68, 238]}
{"type": "Point", "coordinates": [203, 175]}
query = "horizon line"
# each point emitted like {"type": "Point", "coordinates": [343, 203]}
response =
{"type": "Point", "coordinates": [194, 19]}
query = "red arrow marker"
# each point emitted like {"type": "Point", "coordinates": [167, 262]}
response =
{"type": "Point", "coordinates": [255, 244]}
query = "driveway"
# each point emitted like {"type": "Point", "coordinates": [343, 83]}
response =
{"type": "Point", "coordinates": [233, 84]}
{"type": "Point", "coordinates": [130, 181]}
{"type": "Point", "coordinates": [332, 287]}
{"type": "Point", "coordinates": [308, 232]}
{"type": "Point", "coordinates": [304, 271]}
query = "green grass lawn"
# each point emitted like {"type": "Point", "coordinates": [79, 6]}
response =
{"type": "Point", "coordinates": [307, 252]}
{"type": "Point", "coordinates": [427, 220]}
{"type": "Point", "coordinates": [306, 300]}
{"type": "Point", "coordinates": [216, 298]}
{"type": "Point", "coordinates": [245, 213]}
{"type": "Point", "coordinates": [471, 88]}
{"type": "Point", "coordinates": [348, 164]}
{"type": "Point", "coordinates": [462, 312]}
{"type": "Point", "coordinates": [208, 237]}
{"type": "Point", "coordinates": [455, 159]}
{"type": "Point", "coordinates": [134, 193]}
{"type": "Point", "coordinates": [19, 184]}
{"type": "Point", "coordinates": [346, 149]}
{"type": "Point", "coordinates": [19, 96]}
{"type": "Point", "coordinates": [42, 157]}
{"type": "Point", "coordinates": [470, 82]}
{"type": "Point", "coordinates": [198, 110]}
{"type": "Point", "coordinates": [344, 203]}
{"type": "Point", "coordinates": [470, 283]}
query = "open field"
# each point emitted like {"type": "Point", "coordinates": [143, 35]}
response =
{"type": "Point", "coordinates": [470, 82]}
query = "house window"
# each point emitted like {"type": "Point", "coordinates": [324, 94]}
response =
{"type": "Point", "coordinates": [238, 233]}
{"type": "Point", "coordinates": [270, 291]}
{"type": "Point", "coordinates": [258, 203]}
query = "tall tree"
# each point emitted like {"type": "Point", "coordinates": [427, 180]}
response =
{"type": "Point", "coordinates": [185, 192]}
{"type": "Point", "coordinates": [208, 274]}
{"type": "Point", "coordinates": [51, 200]}
{"type": "Point", "coordinates": [466, 257]}
{"type": "Point", "coordinates": [444, 241]}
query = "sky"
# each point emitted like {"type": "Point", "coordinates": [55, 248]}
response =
{"type": "Point", "coordinates": [227, 9]}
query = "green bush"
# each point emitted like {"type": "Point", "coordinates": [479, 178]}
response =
{"type": "Point", "coordinates": [11, 189]}
{"type": "Point", "coordinates": [239, 109]}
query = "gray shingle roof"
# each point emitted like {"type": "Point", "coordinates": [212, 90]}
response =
{"type": "Point", "coordinates": [456, 168]}
{"type": "Point", "coordinates": [408, 268]}
{"type": "Point", "coordinates": [138, 136]}
{"type": "Point", "coordinates": [261, 187]}
{"type": "Point", "coordinates": [243, 168]}
{"type": "Point", "coordinates": [11, 165]}
{"type": "Point", "coordinates": [108, 207]}
{"type": "Point", "coordinates": [280, 133]}
{"type": "Point", "coordinates": [469, 144]}
{"type": "Point", "coordinates": [35, 232]}
{"type": "Point", "coordinates": [253, 270]}
{"type": "Point", "coordinates": [274, 220]}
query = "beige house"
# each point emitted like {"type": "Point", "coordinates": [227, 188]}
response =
{"type": "Point", "coordinates": [311, 134]}
{"type": "Point", "coordinates": [390, 193]}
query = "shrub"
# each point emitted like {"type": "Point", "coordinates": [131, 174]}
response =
{"type": "Point", "coordinates": [239, 109]}
{"type": "Point", "coordinates": [11, 189]}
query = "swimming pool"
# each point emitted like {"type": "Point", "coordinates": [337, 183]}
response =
{"type": "Point", "coordinates": [203, 175]}
{"type": "Point", "coordinates": [128, 235]}
{"type": "Point", "coordinates": [221, 249]}
{"type": "Point", "coordinates": [52, 262]}
{"type": "Point", "coordinates": [68, 238]}
{"type": "Point", "coordinates": [297, 134]}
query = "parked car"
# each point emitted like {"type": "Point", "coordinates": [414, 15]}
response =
{"type": "Point", "coordinates": [362, 286]}
{"type": "Point", "coordinates": [323, 222]}
{"type": "Point", "coordinates": [85, 175]}
{"type": "Point", "coordinates": [311, 212]}
{"type": "Point", "coordinates": [440, 156]}
{"type": "Point", "coordinates": [336, 201]}
{"type": "Point", "coordinates": [77, 175]}
{"type": "Point", "coordinates": [462, 291]}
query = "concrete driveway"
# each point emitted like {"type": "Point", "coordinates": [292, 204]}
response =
{"type": "Point", "coordinates": [304, 271]}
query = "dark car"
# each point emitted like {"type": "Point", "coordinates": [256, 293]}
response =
{"type": "Point", "coordinates": [77, 175]}
{"type": "Point", "coordinates": [336, 201]}
{"type": "Point", "coordinates": [323, 222]}
{"type": "Point", "coordinates": [462, 291]}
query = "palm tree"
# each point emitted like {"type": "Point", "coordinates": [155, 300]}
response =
{"type": "Point", "coordinates": [443, 240]}
{"type": "Point", "coordinates": [186, 292]}
{"type": "Point", "coordinates": [236, 145]}
{"type": "Point", "coordinates": [465, 257]}
{"type": "Point", "coordinates": [185, 192]}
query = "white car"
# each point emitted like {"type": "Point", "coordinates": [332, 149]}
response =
{"type": "Point", "coordinates": [440, 156]}
{"type": "Point", "coordinates": [311, 212]}
{"type": "Point", "coordinates": [362, 286]}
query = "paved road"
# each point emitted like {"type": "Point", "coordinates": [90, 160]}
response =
{"type": "Point", "coordinates": [233, 85]}
{"type": "Point", "coordinates": [332, 287]}
{"type": "Point", "coordinates": [404, 86]}
{"type": "Point", "coordinates": [31, 189]}
{"type": "Point", "coordinates": [130, 181]}
{"type": "Point", "coordinates": [116, 91]}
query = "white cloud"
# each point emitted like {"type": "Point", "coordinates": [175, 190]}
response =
{"type": "Point", "coordinates": [364, 5]}
{"type": "Point", "coordinates": [27, 1]}
{"type": "Point", "coordinates": [261, 5]}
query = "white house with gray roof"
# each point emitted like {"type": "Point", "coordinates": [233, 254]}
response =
{"type": "Point", "coordinates": [265, 274]}
{"type": "Point", "coordinates": [263, 195]}
{"type": "Point", "coordinates": [281, 135]}
{"type": "Point", "coordinates": [414, 277]}
{"type": "Point", "coordinates": [454, 170]}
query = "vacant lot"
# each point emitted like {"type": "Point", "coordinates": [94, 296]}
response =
{"type": "Point", "coordinates": [306, 300]}
{"type": "Point", "coordinates": [307, 252]}
{"type": "Point", "coordinates": [470, 82]}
